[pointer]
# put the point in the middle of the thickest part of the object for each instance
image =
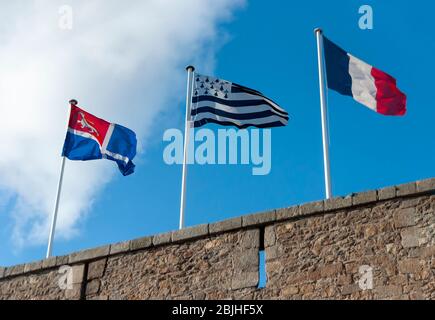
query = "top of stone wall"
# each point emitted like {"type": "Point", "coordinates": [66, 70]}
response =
{"type": "Point", "coordinates": [243, 222]}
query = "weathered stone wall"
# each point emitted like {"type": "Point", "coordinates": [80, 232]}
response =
{"type": "Point", "coordinates": [40, 280]}
{"type": "Point", "coordinates": [319, 250]}
{"type": "Point", "coordinates": [213, 268]}
{"type": "Point", "coordinates": [321, 257]}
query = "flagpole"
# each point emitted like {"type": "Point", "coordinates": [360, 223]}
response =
{"type": "Point", "coordinates": [190, 70]}
{"type": "Point", "coordinates": [59, 189]}
{"type": "Point", "coordinates": [323, 111]}
{"type": "Point", "coordinates": [56, 207]}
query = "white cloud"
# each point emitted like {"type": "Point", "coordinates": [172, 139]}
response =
{"type": "Point", "coordinates": [129, 54]}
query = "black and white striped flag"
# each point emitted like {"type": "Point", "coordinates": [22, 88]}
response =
{"type": "Point", "coordinates": [229, 104]}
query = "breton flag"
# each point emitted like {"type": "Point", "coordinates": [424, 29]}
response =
{"type": "Point", "coordinates": [369, 86]}
{"type": "Point", "coordinates": [213, 100]}
{"type": "Point", "coordinates": [229, 104]}
{"type": "Point", "coordinates": [89, 138]}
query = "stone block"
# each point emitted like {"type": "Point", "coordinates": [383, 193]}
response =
{"type": "Point", "coordinates": [344, 279]}
{"type": "Point", "coordinates": [409, 203]}
{"type": "Point", "coordinates": [428, 252]}
{"type": "Point", "coordinates": [274, 269]}
{"type": "Point", "coordinates": [331, 270]}
{"type": "Point", "coordinates": [272, 253]}
{"type": "Point", "coordinates": [78, 273]}
{"type": "Point", "coordinates": [364, 197]}
{"type": "Point", "coordinates": [426, 185]}
{"type": "Point", "coordinates": [338, 203]}
{"type": "Point", "coordinates": [92, 287]}
{"type": "Point", "coordinates": [74, 293]}
{"type": "Point", "coordinates": [14, 270]}
{"type": "Point", "coordinates": [162, 238]}
{"type": "Point", "coordinates": [287, 213]}
{"type": "Point", "coordinates": [406, 189]}
{"type": "Point", "coordinates": [410, 237]}
{"type": "Point", "coordinates": [49, 263]}
{"type": "Point", "coordinates": [391, 248]}
{"type": "Point", "coordinates": [410, 266]}
{"type": "Point", "coordinates": [141, 243]}
{"type": "Point", "coordinates": [226, 225]}
{"type": "Point", "coordinates": [250, 239]}
{"type": "Point", "coordinates": [288, 292]}
{"type": "Point", "coordinates": [404, 218]}
{"type": "Point", "coordinates": [62, 260]}
{"type": "Point", "coordinates": [312, 207]}
{"type": "Point", "coordinates": [247, 260]}
{"type": "Point", "coordinates": [349, 289]}
{"type": "Point", "coordinates": [119, 247]}
{"type": "Point", "coordinates": [89, 254]}
{"type": "Point", "coordinates": [387, 193]}
{"type": "Point", "coordinates": [259, 218]}
{"type": "Point", "coordinates": [244, 280]}
{"type": "Point", "coordinates": [307, 289]}
{"type": "Point", "coordinates": [417, 295]}
{"type": "Point", "coordinates": [388, 291]}
{"type": "Point", "coordinates": [269, 236]}
{"type": "Point", "coordinates": [96, 269]}
{"type": "Point", "coordinates": [190, 233]}
{"type": "Point", "coordinates": [2, 272]}
{"type": "Point", "coordinates": [33, 266]}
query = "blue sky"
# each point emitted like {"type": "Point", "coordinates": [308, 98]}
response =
{"type": "Point", "coordinates": [270, 46]}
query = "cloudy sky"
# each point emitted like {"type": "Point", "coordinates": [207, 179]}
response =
{"type": "Point", "coordinates": [124, 62]}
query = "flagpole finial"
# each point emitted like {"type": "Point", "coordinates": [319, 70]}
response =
{"type": "Point", "coordinates": [318, 30]}
{"type": "Point", "coordinates": [190, 67]}
{"type": "Point", "coordinates": [73, 102]}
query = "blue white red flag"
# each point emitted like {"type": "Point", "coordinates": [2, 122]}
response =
{"type": "Point", "coordinates": [89, 138]}
{"type": "Point", "coordinates": [369, 86]}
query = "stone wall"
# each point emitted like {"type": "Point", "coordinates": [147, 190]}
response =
{"type": "Point", "coordinates": [373, 245]}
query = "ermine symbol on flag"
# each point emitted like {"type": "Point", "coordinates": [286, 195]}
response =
{"type": "Point", "coordinates": [85, 124]}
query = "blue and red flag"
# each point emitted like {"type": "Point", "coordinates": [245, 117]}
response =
{"type": "Point", "coordinates": [89, 138]}
{"type": "Point", "coordinates": [369, 86]}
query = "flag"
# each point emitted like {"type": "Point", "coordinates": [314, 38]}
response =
{"type": "Point", "coordinates": [369, 86]}
{"type": "Point", "coordinates": [229, 104]}
{"type": "Point", "coordinates": [89, 138]}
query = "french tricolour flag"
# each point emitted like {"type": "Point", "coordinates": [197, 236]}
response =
{"type": "Point", "coordinates": [89, 138]}
{"type": "Point", "coordinates": [369, 86]}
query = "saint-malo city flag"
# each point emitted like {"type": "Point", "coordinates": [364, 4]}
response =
{"type": "Point", "coordinates": [369, 86]}
{"type": "Point", "coordinates": [89, 138]}
{"type": "Point", "coordinates": [229, 104]}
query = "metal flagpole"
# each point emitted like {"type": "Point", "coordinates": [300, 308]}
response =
{"type": "Point", "coordinates": [59, 189]}
{"type": "Point", "coordinates": [187, 125]}
{"type": "Point", "coordinates": [56, 206]}
{"type": "Point", "coordinates": [323, 110]}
